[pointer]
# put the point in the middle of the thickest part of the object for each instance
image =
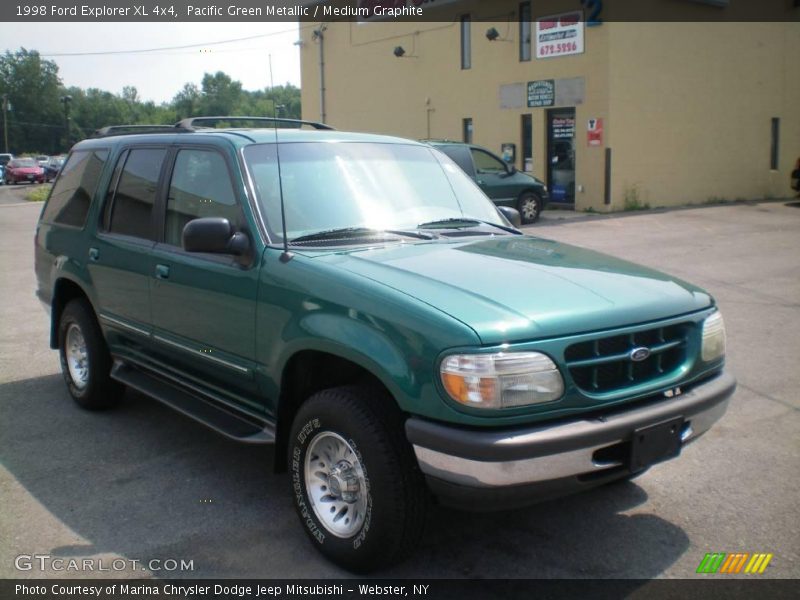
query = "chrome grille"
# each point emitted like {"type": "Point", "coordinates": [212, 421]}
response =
{"type": "Point", "coordinates": [604, 364]}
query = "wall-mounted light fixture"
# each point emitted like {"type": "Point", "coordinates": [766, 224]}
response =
{"type": "Point", "coordinates": [492, 34]}
{"type": "Point", "coordinates": [399, 51]}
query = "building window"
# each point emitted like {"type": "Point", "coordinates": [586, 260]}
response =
{"type": "Point", "coordinates": [527, 142]}
{"type": "Point", "coordinates": [467, 131]}
{"type": "Point", "coordinates": [524, 31]}
{"type": "Point", "coordinates": [466, 42]}
{"type": "Point", "coordinates": [774, 143]}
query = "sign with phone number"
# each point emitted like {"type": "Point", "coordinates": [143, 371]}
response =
{"type": "Point", "coordinates": [559, 35]}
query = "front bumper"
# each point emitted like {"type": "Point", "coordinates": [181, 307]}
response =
{"type": "Point", "coordinates": [486, 470]}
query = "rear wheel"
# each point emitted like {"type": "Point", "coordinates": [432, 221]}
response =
{"type": "Point", "coordinates": [529, 206]}
{"type": "Point", "coordinates": [356, 486]}
{"type": "Point", "coordinates": [85, 361]}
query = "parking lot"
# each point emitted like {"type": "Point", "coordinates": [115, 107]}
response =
{"type": "Point", "coordinates": [142, 482]}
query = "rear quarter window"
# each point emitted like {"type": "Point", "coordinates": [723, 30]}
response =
{"type": "Point", "coordinates": [75, 187]}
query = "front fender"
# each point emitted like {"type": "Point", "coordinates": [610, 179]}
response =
{"type": "Point", "coordinates": [360, 344]}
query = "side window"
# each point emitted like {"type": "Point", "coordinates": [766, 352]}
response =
{"type": "Point", "coordinates": [75, 188]}
{"type": "Point", "coordinates": [485, 162]}
{"type": "Point", "coordinates": [461, 156]}
{"type": "Point", "coordinates": [200, 187]}
{"type": "Point", "coordinates": [132, 207]}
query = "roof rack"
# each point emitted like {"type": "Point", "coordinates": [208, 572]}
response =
{"type": "Point", "coordinates": [134, 129]}
{"type": "Point", "coordinates": [195, 122]}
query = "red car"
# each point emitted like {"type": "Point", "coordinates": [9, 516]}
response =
{"type": "Point", "coordinates": [23, 169]}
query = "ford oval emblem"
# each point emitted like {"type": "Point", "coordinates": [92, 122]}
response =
{"type": "Point", "coordinates": [639, 354]}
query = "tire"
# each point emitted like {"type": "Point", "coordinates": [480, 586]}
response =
{"type": "Point", "coordinates": [85, 360]}
{"type": "Point", "coordinates": [529, 206]}
{"type": "Point", "coordinates": [356, 433]}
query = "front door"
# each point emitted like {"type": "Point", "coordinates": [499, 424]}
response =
{"type": "Point", "coordinates": [204, 305]}
{"type": "Point", "coordinates": [561, 155]}
{"type": "Point", "coordinates": [492, 175]}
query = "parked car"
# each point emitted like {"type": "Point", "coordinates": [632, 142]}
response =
{"type": "Point", "coordinates": [23, 170]}
{"type": "Point", "coordinates": [498, 179]}
{"type": "Point", "coordinates": [358, 303]}
{"type": "Point", "coordinates": [4, 159]}
{"type": "Point", "coordinates": [42, 160]}
{"type": "Point", "coordinates": [53, 166]}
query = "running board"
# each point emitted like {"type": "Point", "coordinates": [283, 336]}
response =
{"type": "Point", "coordinates": [193, 405]}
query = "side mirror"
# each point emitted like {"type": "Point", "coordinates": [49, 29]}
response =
{"type": "Point", "coordinates": [214, 235]}
{"type": "Point", "coordinates": [512, 214]}
{"type": "Point", "coordinates": [510, 168]}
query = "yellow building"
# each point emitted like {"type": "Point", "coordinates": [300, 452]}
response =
{"type": "Point", "coordinates": [611, 116]}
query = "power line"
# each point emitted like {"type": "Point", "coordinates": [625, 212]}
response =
{"type": "Point", "coordinates": [145, 50]}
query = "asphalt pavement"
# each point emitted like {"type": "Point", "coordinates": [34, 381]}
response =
{"type": "Point", "coordinates": [142, 482]}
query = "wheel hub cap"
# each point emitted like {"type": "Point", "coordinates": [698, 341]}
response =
{"type": "Point", "coordinates": [336, 484]}
{"type": "Point", "coordinates": [529, 209]}
{"type": "Point", "coordinates": [343, 482]}
{"type": "Point", "coordinates": [77, 357]}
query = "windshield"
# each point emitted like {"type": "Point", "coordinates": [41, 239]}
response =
{"type": "Point", "coordinates": [23, 162]}
{"type": "Point", "coordinates": [337, 185]}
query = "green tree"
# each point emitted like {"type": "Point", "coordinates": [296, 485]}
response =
{"type": "Point", "coordinates": [35, 122]}
{"type": "Point", "coordinates": [221, 95]}
{"type": "Point", "coordinates": [186, 103]}
{"type": "Point", "coordinates": [37, 119]}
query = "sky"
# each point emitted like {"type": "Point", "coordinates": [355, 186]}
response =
{"type": "Point", "coordinates": [158, 76]}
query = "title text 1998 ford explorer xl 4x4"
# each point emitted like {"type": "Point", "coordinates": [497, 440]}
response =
{"type": "Point", "coordinates": [358, 302]}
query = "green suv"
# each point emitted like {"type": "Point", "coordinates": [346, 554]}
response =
{"type": "Point", "coordinates": [357, 302]}
{"type": "Point", "coordinates": [498, 179]}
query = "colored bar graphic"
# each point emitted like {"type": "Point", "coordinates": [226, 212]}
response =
{"type": "Point", "coordinates": [733, 563]}
{"type": "Point", "coordinates": [711, 562]}
{"type": "Point", "coordinates": [758, 563]}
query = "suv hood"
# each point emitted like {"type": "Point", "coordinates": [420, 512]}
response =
{"type": "Point", "coordinates": [515, 288]}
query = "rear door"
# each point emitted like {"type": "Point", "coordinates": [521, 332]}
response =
{"type": "Point", "coordinates": [204, 305]}
{"type": "Point", "coordinates": [119, 258]}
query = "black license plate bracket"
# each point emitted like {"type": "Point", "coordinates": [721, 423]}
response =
{"type": "Point", "coordinates": [656, 443]}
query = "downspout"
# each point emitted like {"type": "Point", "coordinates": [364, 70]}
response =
{"type": "Point", "coordinates": [320, 37]}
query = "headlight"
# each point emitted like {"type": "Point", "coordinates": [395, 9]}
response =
{"type": "Point", "coordinates": [501, 380]}
{"type": "Point", "coordinates": [713, 338]}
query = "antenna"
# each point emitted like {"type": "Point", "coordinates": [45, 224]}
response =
{"type": "Point", "coordinates": [286, 256]}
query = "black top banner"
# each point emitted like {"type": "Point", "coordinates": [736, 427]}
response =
{"type": "Point", "coordinates": [595, 11]}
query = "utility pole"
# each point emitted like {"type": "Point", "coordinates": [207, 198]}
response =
{"type": "Point", "coordinates": [6, 107]}
{"type": "Point", "coordinates": [65, 100]}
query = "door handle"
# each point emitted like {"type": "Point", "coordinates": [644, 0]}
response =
{"type": "Point", "coordinates": [94, 254]}
{"type": "Point", "coordinates": [162, 272]}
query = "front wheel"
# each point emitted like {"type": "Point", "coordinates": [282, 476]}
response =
{"type": "Point", "coordinates": [357, 488]}
{"type": "Point", "coordinates": [529, 207]}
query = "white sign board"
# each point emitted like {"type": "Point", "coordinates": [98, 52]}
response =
{"type": "Point", "coordinates": [559, 35]}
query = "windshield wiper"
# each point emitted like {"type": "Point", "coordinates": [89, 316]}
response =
{"type": "Point", "coordinates": [357, 232]}
{"type": "Point", "coordinates": [466, 223]}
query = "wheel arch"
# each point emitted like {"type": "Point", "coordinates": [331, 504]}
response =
{"type": "Point", "coordinates": [64, 291]}
{"type": "Point", "coordinates": [309, 371]}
